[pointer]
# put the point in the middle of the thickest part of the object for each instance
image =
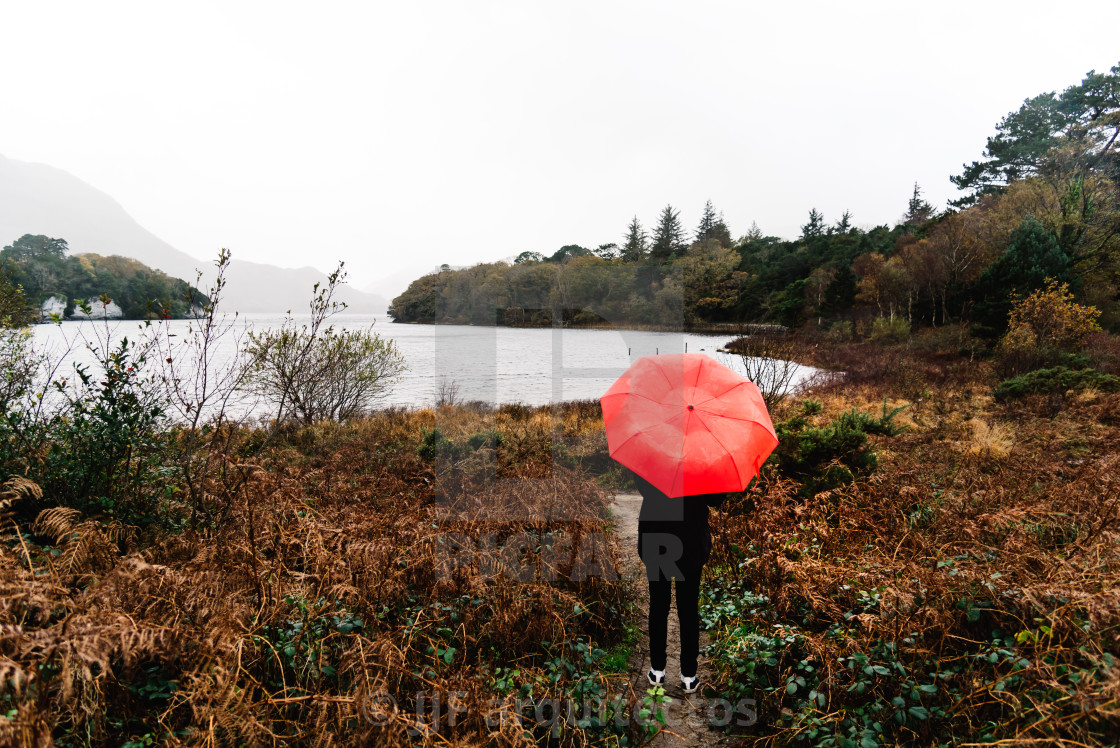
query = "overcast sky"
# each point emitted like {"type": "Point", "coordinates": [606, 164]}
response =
{"type": "Point", "coordinates": [398, 136]}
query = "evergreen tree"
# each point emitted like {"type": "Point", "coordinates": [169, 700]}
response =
{"type": "Point", "coordinates": [841, 294]}
{"type": "Point", "coordinates": [707, 222]}
{"type": "Point", "coordinates": [918, 211]}
{"type": "Point", "coordinates": [668, 239]}
{"type": "Point", "coordinates": [1033, 256]}
{"type": "Point", "coordinates": [844, 225]}
{"type": "Point", "coordinates": [814, 229]}
{"type": "Point", "coordinates": [607, 251]}
{"type": "Point", "coordinates": [1078, 127]}
{"type": "Point", "coordinates": [789, 304]}
{"type": "Point", "coordinates": [567, 252]}
{"type": "Point", "coordinates": [32, 247]}
{"type": "Point", "coordinates": [713, 226]}
{"type": "Point", "coordinates": [637, 242]}
{"type": "Point", "coordinates": [528, 256]}
{"type": "Point", "coordinates": [721, 233]}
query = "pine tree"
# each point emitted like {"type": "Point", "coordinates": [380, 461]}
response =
{"type": "Point", "coordinates": [844, 225]}
{"type": "Point", "coordinates": [668, 239]}
{"type": "Point", "coordinates": [918, 211]}
{"type": "Point", "coordinates": [528, 256]}
{"type": "Point", "coordinates": [721, 232]}
{"type": "Point", "coordinates": [707, 222]}
{"type": "Point", "coordinates": [842, 291]}
{"type": "Point", "coordinates": [815, 227]}
{"type": "Point", "coordinates": [713, 227]}
{"type": "Point", "coordinates": [1073, 132]}
{"type": "Point", "coordinates": [637, 242]}
{"type": "Point", "coordinates": [608, 251]}
{"type": "Point", "coordinates": [1033, 256]}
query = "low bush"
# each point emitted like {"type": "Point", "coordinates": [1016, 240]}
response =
{"type": "Point", "coordinates": [824, 457]}
{"type": "Point", "coordinates": [435, 443]}
{"type": "Point", "coordinates": [889, 330]}
{"type": "Point", "coordinates": [314, 371]}
{"type": "Point", "coordinates": [839, 332]}
{"type": "Point", "coordinates": [1044, 329]}
{"type": "Point", "coordinates": [96, 443]}
{"type": "Point", "coordinates": [891, 689]}
{"type": "Point", "coordinates": [107, 446]}
{"type": "Point", "coordinates": [1055, 381]}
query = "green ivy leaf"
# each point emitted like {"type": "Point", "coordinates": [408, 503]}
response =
{"type": "Point", "coordinates": [919, 712]}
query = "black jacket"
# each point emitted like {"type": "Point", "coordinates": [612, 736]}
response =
{"type": "Point", "coordinates": [674, 531]}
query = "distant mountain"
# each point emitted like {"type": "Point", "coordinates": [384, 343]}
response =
{"type": "Point", "coordinates": [40, 199]}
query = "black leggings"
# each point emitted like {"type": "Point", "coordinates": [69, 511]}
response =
{"type": "Point", "coordinates": [688, 615]}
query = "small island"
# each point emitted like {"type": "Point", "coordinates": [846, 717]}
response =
{"type": "Point", "coordinates": [58, 285]}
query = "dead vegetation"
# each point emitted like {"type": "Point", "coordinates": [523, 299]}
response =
{"type": "Point", "coordinates": [330, 587]}
{"type": "Point", "coordinates": [962, 590]}
{"type": "Point", "coordinates": [968, 591]}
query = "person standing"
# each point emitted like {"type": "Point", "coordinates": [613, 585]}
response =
{"type": "Point", "coordinates": [674, 543]}
{"type": "Point", "coordinates": [691, 428]}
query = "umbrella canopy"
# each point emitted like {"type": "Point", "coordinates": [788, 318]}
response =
{"type": "Point", "coordinates": [688, 424]}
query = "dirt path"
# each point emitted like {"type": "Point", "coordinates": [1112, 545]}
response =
{"type": "Point", "coordinates": [686, 714]}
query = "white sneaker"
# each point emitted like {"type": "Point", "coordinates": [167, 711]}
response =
{"type": "Point", "coordinates": [690, 685]}
{"type": "Point", "coordinates": [656, 677]}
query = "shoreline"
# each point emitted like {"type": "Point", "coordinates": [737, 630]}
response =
{"type": "Point", "coordinates": [712, 328]}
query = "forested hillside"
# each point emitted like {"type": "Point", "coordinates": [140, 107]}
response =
{"type": "Point", "coordinates": [1043, 202]}
{"type": "Point", "coordinates": [44, 268]}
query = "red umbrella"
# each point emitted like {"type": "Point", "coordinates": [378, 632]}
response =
{"type": "Point", "coordinates": [688, 424]}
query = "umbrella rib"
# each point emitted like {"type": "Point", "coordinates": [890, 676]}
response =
{"type": "Point", "coordinates": [730, 453]}
{"type": "Point", "coordinates": [634, 394]}
{"type": "Point", "coordinates": [662, 372]}
{"type": "Point", "coordinates": [721, 394]}
{"type": "Point", "coordinates": [627, 440]}
{"type": "Point", "coordinates": [700, 366]}
{"type": "Point", "coordinates": [659, 423]}
{"type": "Point", "coordinates": [684, 432]}
{"type": "Point", "coordinates": [755, 421]}
{"type": "Point", "coordinates": [680, 464]}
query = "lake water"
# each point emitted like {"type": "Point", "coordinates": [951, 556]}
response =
{"type": "Point", "coordinates": [534, 366]}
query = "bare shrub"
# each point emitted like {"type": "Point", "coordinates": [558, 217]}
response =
{"type": "Point", "coordinates": [315, 371]}
{"type": "Point", "coordinates": [768, 360]}
{"type": "Point", "coordinates": [202, 385]}
{"type": "Point", "coordinates": [447, 392]}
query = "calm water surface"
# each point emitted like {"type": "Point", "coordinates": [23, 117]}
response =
{"type": "Point", "coordinates": [534, 366]}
